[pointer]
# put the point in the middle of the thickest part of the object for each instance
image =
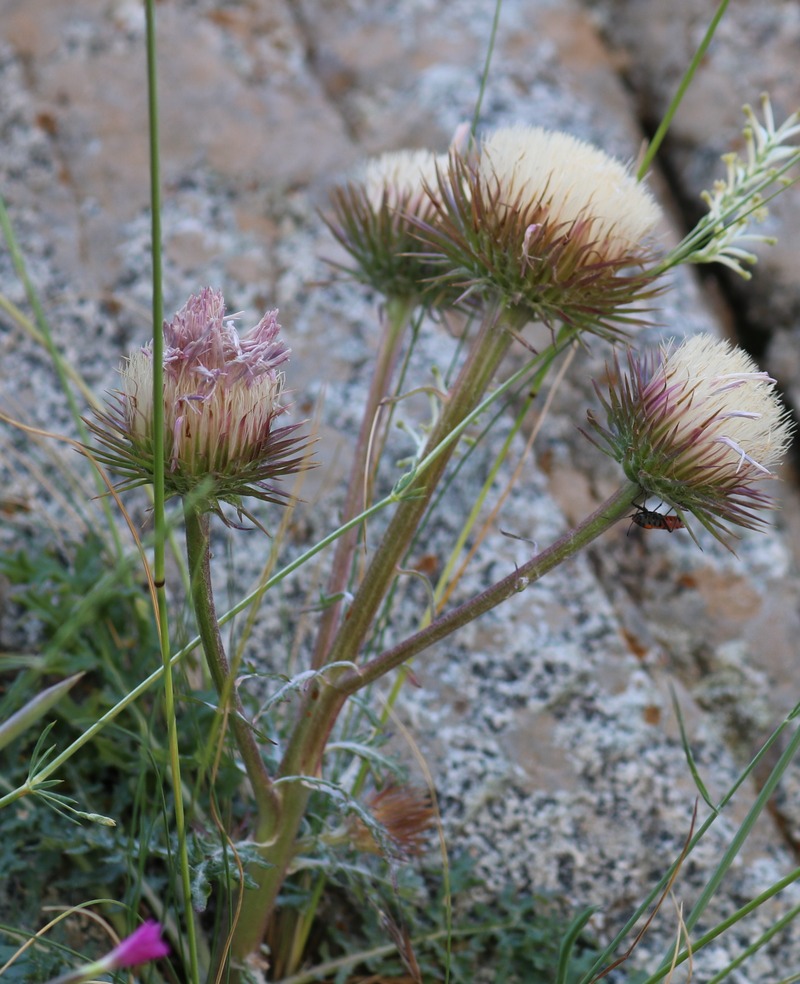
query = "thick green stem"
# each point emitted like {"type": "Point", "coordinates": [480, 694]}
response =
{"type": "Point", "coordinates": [397, 312]}
{"type": "Point", "coordinates": [276, 838]}
{"type": "Point", "coordinates": [198, 552]}
{"type": "Point", "coordinates": [482, 360]}
{"type": "Point", "coordinates": [323, 703]}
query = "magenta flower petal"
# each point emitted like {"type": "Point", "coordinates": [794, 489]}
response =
{"type": "Point", "coordinates": [140, 947]}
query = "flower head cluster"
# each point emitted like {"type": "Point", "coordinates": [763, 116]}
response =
{"type": "Point", "coordinates": [698, 426]}
{"type": "Point", "coordinates": [547, 223]}
{"type": "Point", "coordinates": [221, 398]}
{"type": "Point", "coordinates": [741, 197]}
{"type": "Point", "coordinates": [375, 219]}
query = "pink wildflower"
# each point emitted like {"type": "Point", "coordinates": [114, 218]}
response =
{"type": "Point", "coordinates": [140, 947]}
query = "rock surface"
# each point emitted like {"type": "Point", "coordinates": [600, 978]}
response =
{"type": "Point", "coordinates": [548, 725]}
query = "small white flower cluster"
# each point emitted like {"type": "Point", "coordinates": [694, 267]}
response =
{"type": "Point", "coordinates": [718, 237]}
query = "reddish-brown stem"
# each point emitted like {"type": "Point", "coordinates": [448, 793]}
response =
{"type": "Point", "coordinates": [612, 510]}
{"type": "Point", "coordinates": [397, 312]}
{"type": "Point", "coordinates": [482, 360]}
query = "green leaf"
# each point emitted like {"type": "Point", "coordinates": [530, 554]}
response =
{"type": "Point", "coordinates": [35, 709]}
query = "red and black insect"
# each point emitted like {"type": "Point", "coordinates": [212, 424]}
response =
{"type": "Point", "coordinates": [651, 519]}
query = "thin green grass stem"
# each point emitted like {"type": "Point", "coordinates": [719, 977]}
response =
{"type": "Point", "coordinates": [677, 99]}
{"type": "Point", "coordinates": [612, 947]}
{"type": "Point", "coordinates": [33, 332]}
{"type": "Point", "coordinates": [744, 831]}
{"type": "Point", "coordinates": [306, 921]}
{"type": "Point", "coordinates": [466, 530]}
{"type": "Point", "coordinates": [159, 518]}
{"type": "Point", "coordinates": [45, 336]}
{"type": "Point", "coordinates": [444, 579]}
{"type": "Point", "coordinates": [730, 921]}
{"type": "Point", "coordinates": [326, 970]}
{"type": "Point", "coordinates": [486, 66]}
{"type": "Point", "coordinates": [766, 936]}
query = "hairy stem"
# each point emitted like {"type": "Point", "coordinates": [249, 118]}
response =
{"type": "Point", "coordinates": [324, 701]}
{"type": "Point", "coordinates": [323, 704]}
{"type": "Point", "coordinates": [199, 555]}
{"type": "Point", "coordinates": [610, 512]}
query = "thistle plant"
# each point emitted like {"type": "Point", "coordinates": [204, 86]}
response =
{"type": "Point", "coordinates": [698, 427]}
{"type": "Point", "coordinates": [374, 218]}
{"type": "Point", "coordinates": [222, 397]}
{"type": "Point", "coordinates": [524, 225]}
{"type": "Point", "coordinates": [221, 400]}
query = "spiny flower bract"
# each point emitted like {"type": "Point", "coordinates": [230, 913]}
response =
{"type": "Point", "coordinates": [374, 219]}
{"type": "Point", "coordinates": [401, 821]}
{"type": "Point", "coordinates": [548, 224]}
{"type": "Point", "coordinates": [698, 426]}
{"type": "Point", "coordinates": [221, 398]}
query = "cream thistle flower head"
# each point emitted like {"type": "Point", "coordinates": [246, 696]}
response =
{"type": "Point", "coordinates": [375, 219]}
{"type": "Point", "coordinates": [221, 399]}
{"type": "Point", "coordinates": [700, 427]}
{"type": "Point", "coordinates": [547, 223]}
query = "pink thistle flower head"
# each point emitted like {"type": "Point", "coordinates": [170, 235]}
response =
{"type": "Point", "coordinates": [221, 399]}
{"type": "Point", "coordinates": [549, 225]}
{"type": "Point", "coordinates": [375, 219]}
{"type": "Point", "coordinates": [698, 426]}
{"type": "Point", "coordinates": [140, 947]}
